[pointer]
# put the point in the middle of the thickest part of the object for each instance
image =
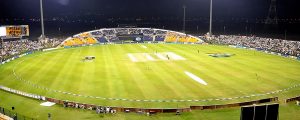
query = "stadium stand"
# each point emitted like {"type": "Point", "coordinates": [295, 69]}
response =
{"type": "Point", "coordinates": [86, 34]}
{"type": "Point", "coordinates": [148, 31]}
{"type": "Point", "coordinates": [171, 37]}
{"type": "Point", "coordinates": [160, 35]}
{"type": "Point", "coordinates": [192, 39]}
{"type": "Point", "coordinates": [68, 43]}
{"type": "Point", "coordinates": [183, 39]}
{"type": "Point", "coordinates": [276, 46]}
{"type": "Point", "coordinates": [148, 38]}
{"type": "Point", "coordinates": [97, 33]}
{"type": "Point", "coordinates": [90, 40]}
{"type": "Point", "coordinates": [284, 47]}
{"type": "Point", "coordinates": [108, 32]}
{"type": "Point", "coordinates": [160, 32]}
{"type": "Point", "coordinates": [135, 31]}
{"type": "Point", "coordinates": [78, 41]}
{"type": "Point", "coordinates": [101, 39]}
{"type": "Point", "coordinates": [122, 31]}
{"type": "Point", "coordinates": [117, 35]}
{"type": "Point", "coordinates": [160, 38]}
{"type": "Point", "coordinates": [74, 42]}
{"type": "Point", "coordinates": [13, 48]}
{"type": "Point", "coordinates": [85, 38]}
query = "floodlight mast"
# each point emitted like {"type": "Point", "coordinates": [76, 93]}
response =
{"type": "Point", "coordinates": [1, 44]}
{"type": "Point", "coordinates": [183, 29]}
{"type": "Point", "coordinates": [210, 19]}
{"type": "Point", "coordinates": [42, 20]}
{"type": "Point", "coordinates": [2, 48]}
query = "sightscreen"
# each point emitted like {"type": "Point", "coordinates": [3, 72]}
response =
{"type": "Point", "coordinates": [272, 112]}
{"type": "Point", "coordinates": [261, 112]}
{"type": "Point", "coordinates": [247, 113]}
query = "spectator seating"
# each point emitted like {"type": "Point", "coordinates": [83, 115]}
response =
{"type": "Point", "coordinates": [284, 47]}
{"type": "Point", "coordinates": [193, 40]}
{"type": "Point", "coordinates": [74, 42]}
{"type": "Point", "coordinates": [86, 34]}
{"type": "Point", "coordinates": [147, 38]}
{"type": "Point", "coordinates": [101, 39]}
{"type": "Point", "coordinates": [68, 43]}
{"type": "Point", "coordinates": [160, 38]}
{"type": "Point", "coordinates": [183, 39]}
{"type": "Point", "coordinates": [112, 35]}
{"type": "Point", "coordinates": [12, 48]}
{"type": "Point", "coordinates": [90, 40]}
{"type": "Point", "coordinates": [171, 37]}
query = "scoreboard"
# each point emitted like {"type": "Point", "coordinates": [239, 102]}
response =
{"type": "Point", "coordinates": [14, 31]}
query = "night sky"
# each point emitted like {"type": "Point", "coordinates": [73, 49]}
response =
{"type": "Point", "coordinates": [84, 15]}
{"type": "Point", "coordinates": [148, 8]}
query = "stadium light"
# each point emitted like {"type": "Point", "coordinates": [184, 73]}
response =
{"type": "Point", "coordinates": [210, 20]}
{"type": "Point", "coordinates": [183, 26]}
{"type": "Point", "coordinates": [285, 34]}
{"type": "Point", "coordinates": [42, 20]}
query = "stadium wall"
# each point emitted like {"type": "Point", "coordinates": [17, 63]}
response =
{"type": "Point", "coordinates": [292, 99]}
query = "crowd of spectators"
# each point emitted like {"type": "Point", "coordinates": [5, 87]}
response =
{"type": "Point", "coordinates": [284, 47]}
{"type": "Point", "coordinates": [148, 31]}
{"type": "Point", "coordinates": [98, 109]}
{"type": "Point", "coordinates": [108, 32]}
{"type": "Point", "coordinates": [111, 34]}
{"type": "Point", "coordinates": [16, 47]}
{"type": "Point", "coordinates": [122, 31]}
{"type": "Point", "coordinates": [135, 31]}
{"type": "Point", "coordinates": [113, 31]}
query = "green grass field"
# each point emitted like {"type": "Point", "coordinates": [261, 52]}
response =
{"type": "Point", "coordinates": [113, 74]}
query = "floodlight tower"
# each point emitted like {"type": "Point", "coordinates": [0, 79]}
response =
{"type": "Point", "coordinates": [210, 19]}
{"type": "Point", "coordinates": [183, 26]}
{"type": "Point", "coordinates": [42, 20]}
{"type": "Point", "coordinates": [272, 16]}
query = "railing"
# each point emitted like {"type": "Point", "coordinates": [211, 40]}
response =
{"type": "Point", "coordinates": [132, 109]}
{"type": "Point", "coordinates": [71, 104]}
{"type": "Point", "coordinates": [33, 96]}
{"type": "Point", "coordinates": [292, 99]}
{"type": "Point", "coordinates": [14, 115]}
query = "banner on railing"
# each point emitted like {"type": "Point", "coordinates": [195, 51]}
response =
{"type": "Point", "coordinates": [34, 96]}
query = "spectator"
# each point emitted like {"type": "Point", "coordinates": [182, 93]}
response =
{"type": "Point", "coordinates": [273, 45]}
{"type": "Point", "coordinates": [13, 48]}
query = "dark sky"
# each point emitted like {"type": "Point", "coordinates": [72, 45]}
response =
{"type": "Point", "coordinates": [148, 8]}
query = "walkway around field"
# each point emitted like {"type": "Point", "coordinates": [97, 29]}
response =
{"type": "Point", "coordinates": [111, 109]}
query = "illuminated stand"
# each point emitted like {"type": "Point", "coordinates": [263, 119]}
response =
{"type": "Point", "coordinates": [12, 32]}
{"type": "Point", "coordinates": [2, 34]}
{"type": "Point", "coordinates": [1, 48]}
